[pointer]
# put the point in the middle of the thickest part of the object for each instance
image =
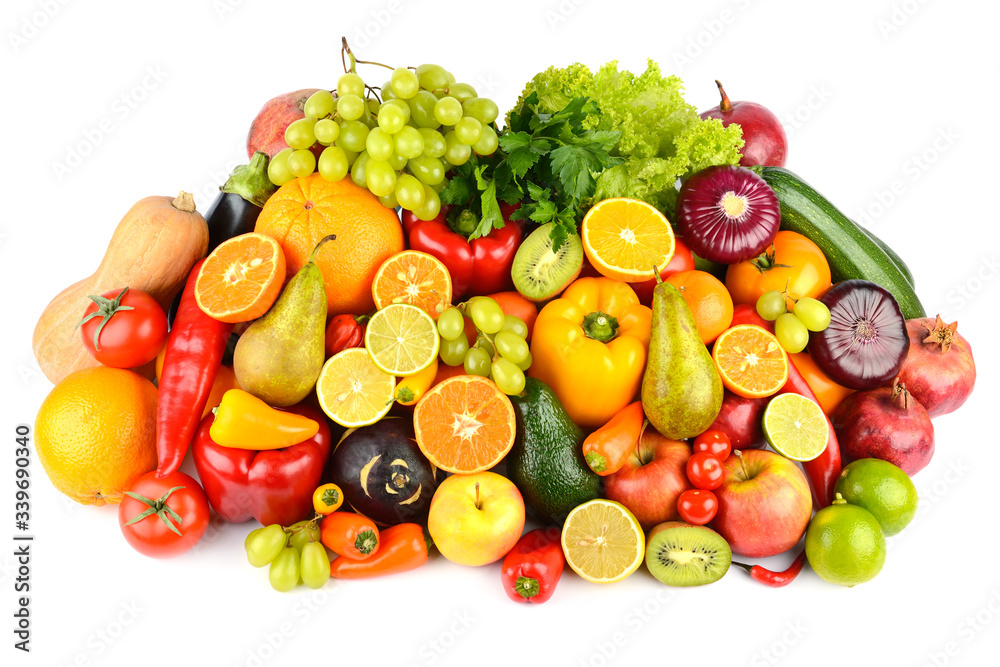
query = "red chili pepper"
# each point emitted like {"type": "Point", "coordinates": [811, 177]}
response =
{"type": "Point", "coordinates": [193, 355]}
{"type": "Point", "coordinates": [823, 470]}
{"type": "Point", "coordinates": [532, 568]}
{"type": "Point", "coordinates": [344, 332]}
{"type": "Point", "coordinates": [775, 579]}
{"type": "Point", "coordinates": [477, 267]}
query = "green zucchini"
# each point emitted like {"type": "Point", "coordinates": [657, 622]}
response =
{"type": "Point", "coordinates": [851, 251]}
{"type": "Point", "coordinates": [896, 259]}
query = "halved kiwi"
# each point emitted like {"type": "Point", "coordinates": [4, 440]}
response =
{"type": "Point", "coordinates": [539, 273]}
{"type": "Point", "coordinates": [679, 554]}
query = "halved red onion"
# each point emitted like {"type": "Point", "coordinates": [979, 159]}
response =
{"type": "Point", "coordinates": [727, 214]}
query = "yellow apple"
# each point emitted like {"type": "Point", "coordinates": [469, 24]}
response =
{"type": "Point", "coordinates": [476, 519]}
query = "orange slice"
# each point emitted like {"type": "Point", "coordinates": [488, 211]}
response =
{"type": "Point", "coordinates": [413, 277]}
{"type": "Point", "coordinates": [241, 279]}
{"type": "Point", "coordinates": [464, 424]}
{"type": "Point", "coordinates": [624, 239]}
{"type": "Point", "coordinates": [751, 361]}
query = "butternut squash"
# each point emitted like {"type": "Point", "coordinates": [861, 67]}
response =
{"type": "Point", "coordinates": [152, 249]}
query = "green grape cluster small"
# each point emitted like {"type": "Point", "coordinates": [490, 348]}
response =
{"type": "Point", "coordinates": [792, 328]}
{"type": "Point", "coordinates": [294, 554]}
{"type": "Point", "coordinates": [500, 351]}
{"type": "Point", "coordinates": [398, 147]}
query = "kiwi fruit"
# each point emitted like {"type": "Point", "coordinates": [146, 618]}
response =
{"type": "Point", "coordinates": [539, 273]}
{"type": "Point", "coordinates": [679, 554]}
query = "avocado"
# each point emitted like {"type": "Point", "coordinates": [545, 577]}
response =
{"type": "Point", "coordinates": [546, 462]}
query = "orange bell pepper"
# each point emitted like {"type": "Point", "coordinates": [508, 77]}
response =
{"type": "Point", "coordinates": [590, 347]}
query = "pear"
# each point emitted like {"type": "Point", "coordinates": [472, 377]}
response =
{"type": "Point", "coordinates": [279, 357]}
{"type": "Point", "coordinates": [681, 388]}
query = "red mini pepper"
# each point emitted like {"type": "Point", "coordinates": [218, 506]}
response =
{"type": "Point", "coordinates": [192, 357]}
{"type": "Point", "coordinates": [344, 332]}
{"type": "Point", "coordinates": [775, 579]}
{"type": "Point", "coordinates": [403, 547]}
{"type": "Point", "coordinates": [532, 568]}
{"type": "Point", "coordinates": [477, 267]}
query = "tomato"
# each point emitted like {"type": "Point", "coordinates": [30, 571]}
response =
{"type": "Point", "coordinates": [512, 303]}
{"type": "Point", "coordinates": [792, 260]}
{"type": "Point", "coordinates": [697, 506]}
{"type": "Point", "coordinates": [683, 260]}
{"type": "Point", "coordinates": [176, 501]}
{"type": "Point", "coordinates": [124, 328]}
{"type": "Point", "coordinates": [705, 471]}
{"type": "Point", "coordinates": [716, 443]}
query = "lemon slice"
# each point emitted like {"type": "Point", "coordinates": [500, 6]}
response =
{"type": "Point", "coordinates": [402, 339]}
{"type": "Point", "coordinates": [353, 391]}
{"type": "Point", "coordinates": [603, 541]}
{"type": "Point", "coordinates": [795, 427]}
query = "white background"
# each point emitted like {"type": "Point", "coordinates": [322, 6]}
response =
{"type": "Point", "coordinates": [866, 88]}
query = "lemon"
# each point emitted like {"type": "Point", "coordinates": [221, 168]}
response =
{"type": "Point", "coordinates": [603, 541]}
{"type": "Point", "coordinates": [402, 339]}
{"type": "Point", "coordinates": [795, 427]}
{"type": "Point", "coordinates": [353, 391]}
{"type": "Point", "coordinates": [845, 544]}
{"type": "Point", "coordinates": [881, 488]}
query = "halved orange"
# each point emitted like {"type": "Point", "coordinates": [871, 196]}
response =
{"type": "Point", "coordinates": [624, 238]}
{"type": "Point", "coordinates": [751, 361]}
{"type": "Point", "coordinates": [464, 424]}
{"type": "Point", "coordinates": [413, 277]}
{"type": "Point", "coordinates": [241, 279]}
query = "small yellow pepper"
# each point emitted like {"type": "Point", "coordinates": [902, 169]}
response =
{"type": "Point", "coordinates": [411, 388]}
{"type": "Point", "coordinates": [590, 346]}
{"type": "Point", "coordinates": [244, 421]}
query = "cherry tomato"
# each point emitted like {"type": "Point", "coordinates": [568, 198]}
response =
{"type": "Point", "coordinates": [124, 328]}
{"type": "Point", "coordinates": [792, 260]}
{"type": "Point", "coordinates": [714, 442]}
{"type": "Point", "coordinates": [705, 471]}
{"type": "Point", "coordinates": [176, 514]}
{"type": "Point", "coordinates": [697, 506]}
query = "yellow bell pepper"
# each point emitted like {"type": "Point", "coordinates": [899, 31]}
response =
{"type": "Point", "coordinates": [590, 347]}
{"type": "Point", "coordinates": [243, 421]}
{"type": "Point", "coordinates": [411, 388]}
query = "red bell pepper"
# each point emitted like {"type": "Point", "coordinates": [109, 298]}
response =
{"type": "Point", "coordinates": [532, 568]}
{"type": "Point", "coordinates": [272, 486]}
{"type": "Point", "coordinates": [477, 267]}
{"type": "Point", "coordinates": [192, 357]}
{"type": "Point", "coordinates": [344, 332]}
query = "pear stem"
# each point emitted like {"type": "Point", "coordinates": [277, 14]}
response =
{"type": "Point", "coordinates": [725, 104]}
{"type": "Point", "coordinates": [331, 237]}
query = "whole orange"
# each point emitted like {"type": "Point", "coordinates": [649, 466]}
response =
{"type": "Point", "coordinates": [95, 433]}
{"type": "Point", "coordinates": [305, 210]}
{"type": "Point", "coordinates": [708, 300]}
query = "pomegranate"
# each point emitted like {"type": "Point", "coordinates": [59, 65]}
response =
{"type": "Point", "coordinates": [885, 423]}
{"type": "Point", "coordinates": [267, 131]}
{"type": "Point", "coordinates": [939, 370]}
{"type": "Point", "coordinates": [740, 419]}
{"type": "Point", "coordinates": [765, 140]}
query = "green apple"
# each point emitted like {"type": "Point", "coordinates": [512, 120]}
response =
{"type": "Point", "coordinates": [476, 519]}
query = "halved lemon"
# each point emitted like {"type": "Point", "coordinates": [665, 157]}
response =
{"type": "Point", "coordinates": [603, 541]}
{"type": "Point", "coordinates": [353, 391]}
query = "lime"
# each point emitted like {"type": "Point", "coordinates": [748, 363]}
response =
{"type": "Point", "coordinates": [402, 339]}
{"type": "Point", "coordinates": [882, 489]}
{"type": "Point", "coordinates": [603, 541]}
{"type": "Point", "coordinates": [845, 544]}
{"type": "Point", "coordinates": [353, 391]}
{"type": "Point", "coordinates": [795, 427]}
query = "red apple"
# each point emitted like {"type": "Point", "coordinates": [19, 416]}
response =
{"type": "Point", "coordinates": [766, 143]}
{"type": "Point", "coordinates": [740, 419]}
{"type": "Point", "coordinates": [267, 131]}
{"type": "Point", "coordinates": [764, 503]}
{"type": "Point", "coordinates": [651, 479]}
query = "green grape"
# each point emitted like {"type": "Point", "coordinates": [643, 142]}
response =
{"type": "Point", "coordinates": [515, 325]}
{"type": "Point", "coordinates": [350, 107]}
{"type": "Point", "coordinates": [320, 104]}
{"type": "Point", "coordinates": [448, 111]}
{"type": "Point", "coordinates": [358, 170]}
{"type": "Point", "coordinates": [263, 548]}
{"type": "Point", "coordinates": [770, 305]}
{"type": "Point", "coordinates": [353, 136]}
{"type": "Point", "coordinates": [461, 91]}
{"type": "Point", "coordinates": [389, 200]}
{"type": "Point", "coordinates": [451, 324]}
{"type": "Point", "coordinates": [508, 377]}
{"type": "Point", "coordinates": [301, 163]}
{"type": "Point", "coordinates": [326, 130]}
{"type": "Point", "coordinates": [314, 565]}
{"type": "Point", "coordinates": [405, 82]}
{"type": "Point", "coordinates": [477, 362]}
{"type": "Point", "coordinates": [432, 77]}
{"type": "Point", "coordinates": [487, 315]}
{"type": "Point", "coordinates": [512, 347]}
{"type": "Point", "coordinates": [468, 130]}
{"type": "Point", "coordinates": [422, 109]}
{"type": "Point", "coordinates": [813, 313]}
{"type": "Point", "coordinates": [351, 155]}
{"type": "Point", "coordinates": [437, 187]}
{"type": "Point", "coordinates": [409, 192]}
{"type": "Point", "coordinates": [453, 351]}
{"type": "Point", "coordinates": [284, 572]}
{"type": "Point", "coordinates": [299, 134]}
{"type": "Point", "coordinates": [379, 144]}
{"type": "Point", "coordinates": [396, 161]}
{"type": "Point", "coordinates": [486, 345]}
{"type": "Point", "coordinates": [380, 177]}
{"type": "Point", "coordinates": [277, 168]}
{"type": "Point", "coordinates": [393, 115]}
{"type": "Point", "coordinates": [434, 143]}
{"type": "Point", "coordinates": [373, 107]}
{"type": "Point", "coordinates": [457, 153]}
{"type": "Point", "coordinates": [250, 537]}
{"type": "Point", "coordinates": [387, 92]}
{"type": "Point", "coordinates": [408, 142]}
{"type": "Point", "coordinates": [526, 364]}
{"type": "Point", "coordinates": [482, 109]}
{"type": "Point", "coordinates": [791, 333]}
{"type": "Point", "coordinates": [301, 536]}
{"type": "Point", "coordinates": [429, 170]}
{"type": "Point", "coordinates": [333, 163]}
{"type": "Point", "coordinates": [431, 206]}
{"type": "Point", "coordinates": [487, 143]}
{"type": "Point", "coordinates": [350, 84]}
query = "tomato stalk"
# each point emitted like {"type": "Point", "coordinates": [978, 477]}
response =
{"type": "Point", "coordinates": [158, 507]}
{"type": "Point", "coordinates": [106, 308]}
